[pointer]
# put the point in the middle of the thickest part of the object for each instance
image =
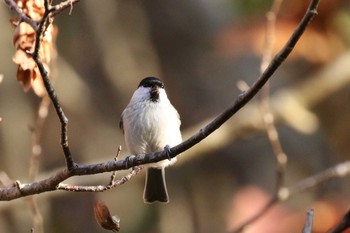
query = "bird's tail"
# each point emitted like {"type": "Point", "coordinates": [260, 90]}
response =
{"type": "Point", "coordinates": [155, 187]}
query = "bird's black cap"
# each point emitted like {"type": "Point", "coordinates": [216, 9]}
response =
{"type": "Point", "coordinates": [151, 82]}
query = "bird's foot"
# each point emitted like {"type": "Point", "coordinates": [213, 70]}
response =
{"type": "Point", "coordinates": [129, 161]}
{"type": "Point", "coordinates": [167, 151]}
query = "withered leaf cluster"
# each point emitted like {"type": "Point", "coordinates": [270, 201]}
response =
{"type": "Point", "coordinates": [24, 40]}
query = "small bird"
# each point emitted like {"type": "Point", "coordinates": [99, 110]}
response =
{"type": "Point", "coordinates": [150, 124]}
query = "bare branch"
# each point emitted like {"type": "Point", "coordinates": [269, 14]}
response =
{"type": "Point", "coordinates": [50, 184]}
{"type": "Point", "coordinates": [309, 221]}
{"type": "Point", "coordinates": [39, 28]}
{"type": "Point", "coordinates": [73, 169]}
{"type": "Point", "coordinates": [342, 225]}
{"type": "Point", "coordinates": [37, 216]}
{"type": "Point", "coordinates": [114, 174]}
{"type": "Point", "coordinates": [51, 91]}
{"type": "Point", "coordinates": [286, 106]}
{"type": "Point", "coordinates": [57, 9]}
{"type": "Point", "coordinates": [100, 188]}
{"type": "Point", "coordinates": [22, 17]}
{"type": "Point", "coordinates": [36, 135]}
{"type": "Point", "coordinates": [35, 160]}
{"type": "Point", "coordinates": [339, 170]}
{"type": "Point", "coordinates": [245, 97]}
{"type": "Point", "coordinates": [268, 118]}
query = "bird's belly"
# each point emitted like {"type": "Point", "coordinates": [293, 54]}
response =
{"type": "Point", "coordinates": [151, 133]}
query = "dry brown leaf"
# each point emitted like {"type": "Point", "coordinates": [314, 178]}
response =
{"type": "Point", "coordinates": [104, 218]}
{"type": "Point", "coordinates": [24, 40]}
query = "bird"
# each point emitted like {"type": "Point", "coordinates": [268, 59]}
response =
{"type": "Point", "coordinates": [150, 123]}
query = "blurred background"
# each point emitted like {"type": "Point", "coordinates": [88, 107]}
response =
{"type": "Point", "coordinates": [201, 49]}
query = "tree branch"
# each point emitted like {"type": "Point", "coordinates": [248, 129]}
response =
{"type": "Point", "coordinates": [284, 193]}
{"type": "Point", "coordinates": [245, 97]}
{"type": "Point", "coordinates": [268, 118]}
{"type": "Point", "coordinates": [289, 106]}
{"type": "Point", "coordinates": [309, 221]}
{"type": "Point", "coordinates": [342, 225]}
{"type": "Point", "coordinates": [35, 160]}
{"type": "Point", "coordinates": [39, 27]}
{"type": "Point", "coordinates": [73, 169]}
{"type": "Point", "coordinates": [22, 17]}
{"type": "Point", "coordinates": [339, 170]}
{"type": "Point", "coordinates": [50, 89]}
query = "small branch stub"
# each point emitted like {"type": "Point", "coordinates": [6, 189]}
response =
{"type": "Point", "coordinates": [309, 221]}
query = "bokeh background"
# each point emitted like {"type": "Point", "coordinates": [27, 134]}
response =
{"type": "Point", "coordinates": [201, 49]}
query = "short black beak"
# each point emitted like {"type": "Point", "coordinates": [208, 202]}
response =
{"type": "Point", "coordinates": [154, 93]}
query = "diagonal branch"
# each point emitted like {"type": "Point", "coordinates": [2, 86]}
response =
{"type": "Point", "coordinates": [49, 88]}
{"type": "Point", "coordinates": [342, 225]}
{"type": "Point", "coordinates": [245, 97]}
{"type": "Point", "coordinates": [22, 17]}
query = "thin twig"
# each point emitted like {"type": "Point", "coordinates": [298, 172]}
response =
{"type": "Point", "coordinates": [270, 34]}
{"type": "Point", "coordinates": [339, 170]}
{"type": "Point", "coordinates": [50, 90]}
{"type": "Point", "coordinates": [37, 216]}
{"type": "Point", "coordinates": [60, 7]}
{"type": "Point", "coordinates": [99, 188]}
{"type": "Point", "coordinates": [60, 113]}
{"type": "Point", "coordinates": [36, 137]}
{"type": "Point", "coordinates": [35, 160]}
{"type": "Point", "coordinates": [309, 220]}
{"type": "Point", "coordinates": [22, 17]}
{"type": "Point", "coordinates": [114, 173]}
{"type": "Point", "coordinates": [268, 118]}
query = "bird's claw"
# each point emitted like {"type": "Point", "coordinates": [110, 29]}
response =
{"type": "Point", "coordinates": [167, 151]}
{"type": "Point", "coordinates": [128, 160]}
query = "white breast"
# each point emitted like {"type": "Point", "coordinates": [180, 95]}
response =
{"type": "Point", "coordinates": [150, 126]}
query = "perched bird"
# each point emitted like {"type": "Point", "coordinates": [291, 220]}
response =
{"type": "Point", "coordinates": [151, 124]}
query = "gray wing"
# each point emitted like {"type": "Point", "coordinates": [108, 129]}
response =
{"type": "Point", "coordinates": [121, 123]}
